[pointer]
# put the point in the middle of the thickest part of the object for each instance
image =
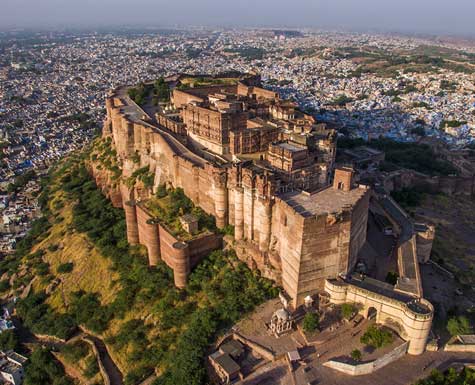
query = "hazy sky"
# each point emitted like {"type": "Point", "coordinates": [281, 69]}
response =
{"type": "Point", "coordinates": [431, 16]}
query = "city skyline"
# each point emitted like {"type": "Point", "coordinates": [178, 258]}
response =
{"type": "Point", "coordinates": [430, 17]}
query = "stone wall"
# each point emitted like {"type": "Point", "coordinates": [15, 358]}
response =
{"type": "Point", "coordinates": [450, 185]}
{"type": "Point", "coordinates": [368, 367]}
{"type": "Point", "coordinates": [315, 248]}
{"type": "Point", "coordinates": [412, 325]}
{"type": "Point", "coordinates": [180, 256]}
{"type": "Point", "coordinates": [276, 236]}
{"type": "Point", "coordinates": [181, 98]}
{"type": "Point", "coordinates": [257, 91]}
{"type": "Point", "coordinates": [461, 343]}
{"type": "Point", "coordinates": [459, 348]}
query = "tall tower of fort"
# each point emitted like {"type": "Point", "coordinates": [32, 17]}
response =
{"type": "Point", "coordinates": [320, 234]}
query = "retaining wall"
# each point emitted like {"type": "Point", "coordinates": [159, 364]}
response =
{"type": "Point", "coordinates": [368, 367]}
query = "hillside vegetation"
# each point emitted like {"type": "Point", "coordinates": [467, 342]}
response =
{"type": "Point", "coordinates": [88, 276]}
{"type": "Point", "coordinates": [414, 156]}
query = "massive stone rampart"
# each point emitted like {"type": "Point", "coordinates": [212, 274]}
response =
{"type": "Point", "coordinates": [212, 187]}
{"type": "Point", "coordinates": [278, 237]}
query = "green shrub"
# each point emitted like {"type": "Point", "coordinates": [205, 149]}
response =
{"type": "Point", "coordinates": [42, 268]}
{"type": "Point", "coordinates": [228, 230]}
{"type": "Point", "coordinates": [408, 197]}
{"type": "Point", "coordinates": [9, 340]}
{"type": "Point", "coordinates": [73, 352]}
{"type": "Point", "coordinates": [162, 191]}
{"type": "Point", "coordinates": [41, 319]}
{"type": "Point", "coordinates": [87, 310]}
{"type": "Point", "coordinates": [4, 285]}
{"type": "Point", "coordinates": [65, 268]}
{"type": "Point", "coordinates": [356, 355]}
{"type": "Point", "coordinates": [92, 367]}
{"type": "Point", "coordinates": [377, 337]}
{"type": "Point", "coordinates": [459, 325]}
{"type": "Point", "coordinates": [450, 377]}
{"type": "Point", "coordinates": [43, 369]}
{"type": "Point", "coordinates": [347, 310]}
{"type": "Point", "coordinates": [310, 322]}
{"type": "Point", "coordinates": [392, 277]}
{"type": "Point", "coordinates": [53, 248]}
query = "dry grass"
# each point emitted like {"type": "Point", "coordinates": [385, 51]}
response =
{"type": "Point", "coordinates": [91, 272]}
{"type": "Point", "coordinates": [76, 369]}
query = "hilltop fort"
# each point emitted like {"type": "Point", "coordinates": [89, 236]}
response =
{"type": "Point", "coordinates": [265, 171]}
{"type": "Point", "coordinates": [254, 162]}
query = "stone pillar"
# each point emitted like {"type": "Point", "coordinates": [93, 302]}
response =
{"type": "Point", "coordinates": [181, 264]}
{"type": "Point", "coordinates": [265, 227]}
{"type": "Point", "coordinates": [238, 213]}
{"type": "Point", "coordinates": [220, 193]}
{"type": "Point", "coordinates": [196, 185]}
{"type": "Point", "coordinates": [153, 244]}
{"type": "Point", "coordinates": [129, 126]}
{"type": "Point", "coordinates": [248, 213]}
{"type": "Point", "coordinates": [131, 221]}
{"type": "Point", "coordinates": [148, 235]}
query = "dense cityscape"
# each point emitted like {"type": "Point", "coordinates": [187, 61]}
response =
{"type": "Point", "coordinates": [53, 86]}
{"type": "Point", "coordinates": [389, 99]}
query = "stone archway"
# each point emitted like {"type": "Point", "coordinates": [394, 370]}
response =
{"type": "Point", "coordinates": [372, 313]}
{"type": "Point", "coordinates": [396, 326]}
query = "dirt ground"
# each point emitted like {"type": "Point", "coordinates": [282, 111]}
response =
{"type": "Point", "coordinates": [310, 370]}
{"type": "Point", "coordinates": [454, 244]}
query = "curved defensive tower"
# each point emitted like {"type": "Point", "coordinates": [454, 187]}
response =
{"type": "Point", "coordinates": [410, 317]}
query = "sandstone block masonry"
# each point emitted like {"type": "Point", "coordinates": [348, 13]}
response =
{"type": "Point", "coordinates": [302, 237]}
{"type": "Point", "coordinates": [409, 316]}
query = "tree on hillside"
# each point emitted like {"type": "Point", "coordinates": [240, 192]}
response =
{"type": "Point", "coordinates": [459, 325]}
{"type": "Point", "coordinates": [43, 369]}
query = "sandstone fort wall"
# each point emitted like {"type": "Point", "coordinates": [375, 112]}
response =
{"type": "Point", "coordinates": [450, 185]}
{"type": "Point", "coordinates": [276, 234]}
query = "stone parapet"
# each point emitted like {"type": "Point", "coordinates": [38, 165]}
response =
{"type": "Point", "coordinates": [360, 369]}
{"type": "Point", "coordinates": [410, 317]}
